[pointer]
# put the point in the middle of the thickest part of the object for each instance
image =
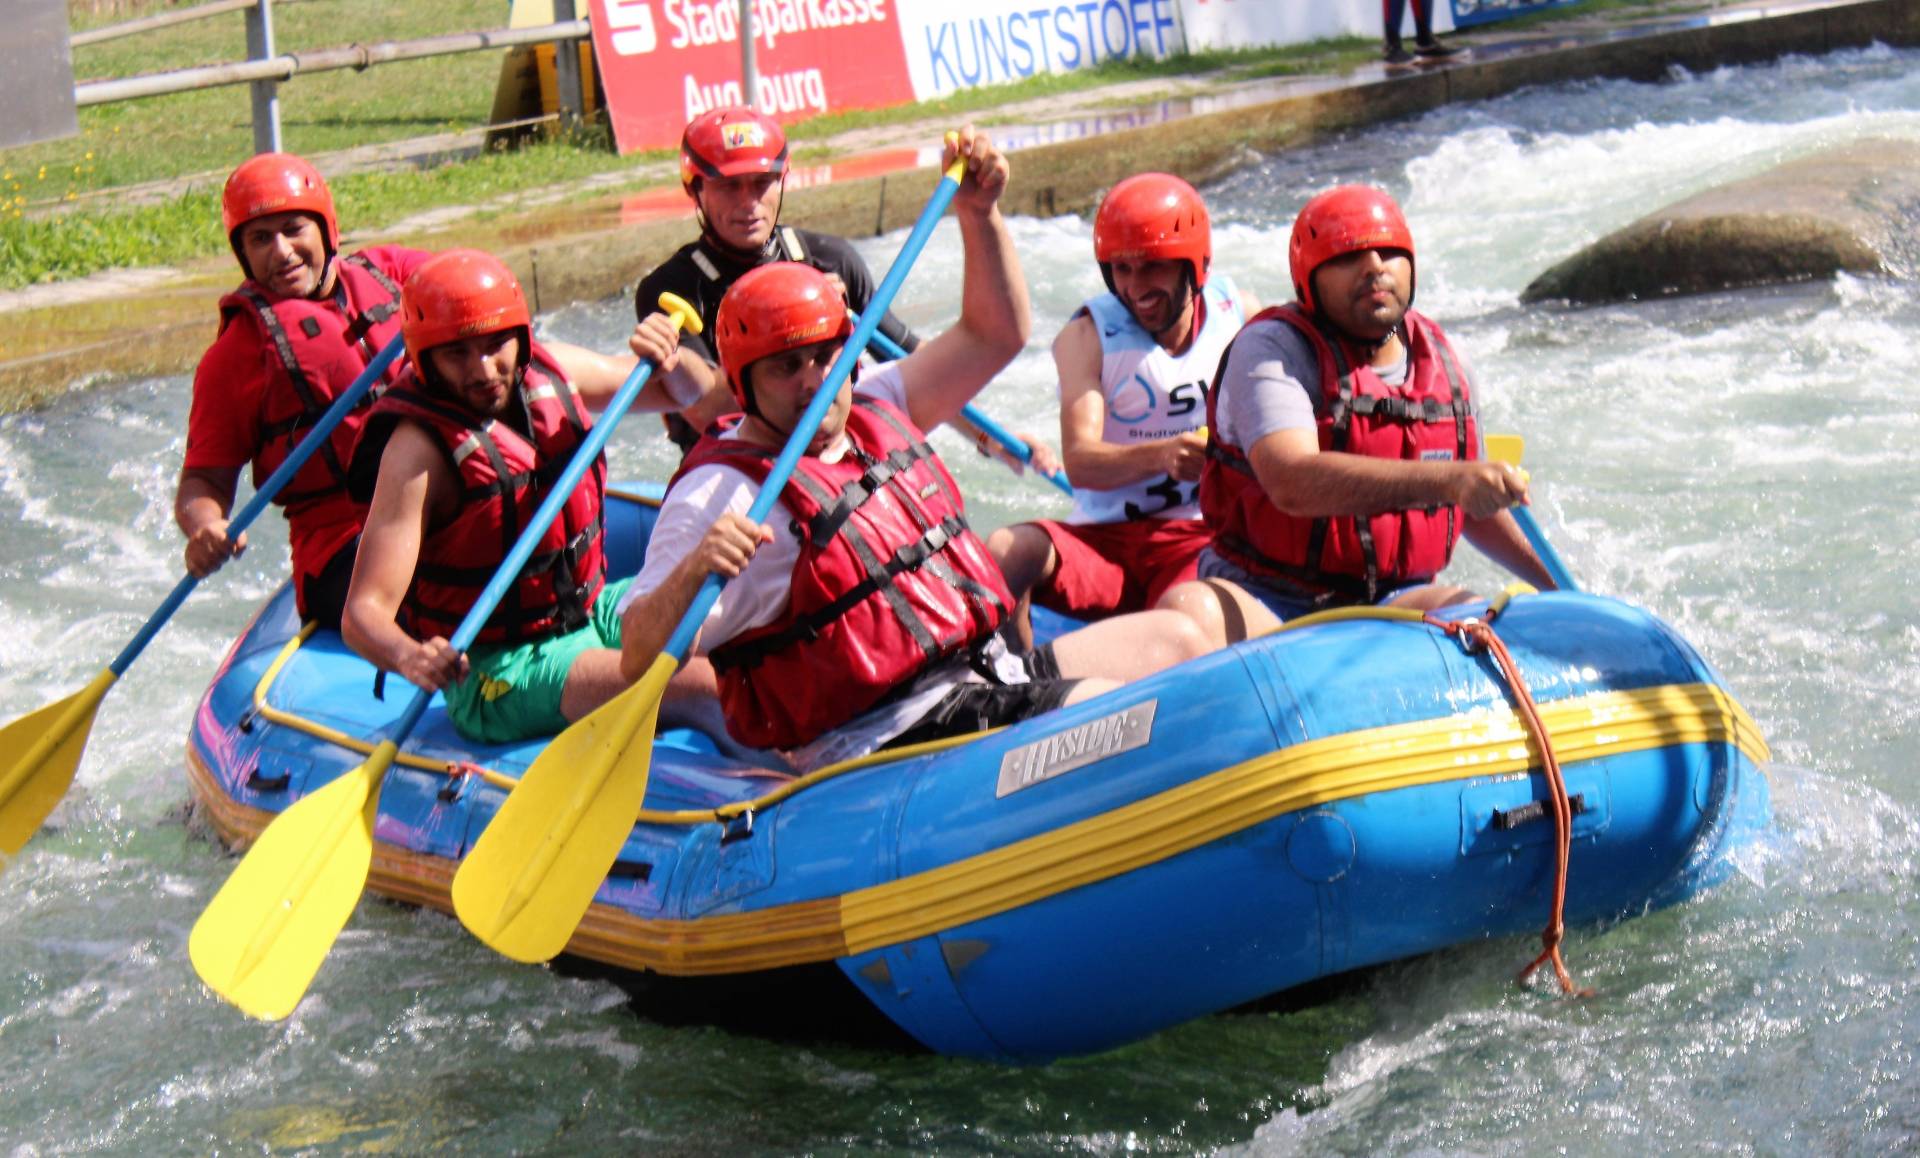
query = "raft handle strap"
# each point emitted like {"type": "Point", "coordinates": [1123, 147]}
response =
{"type": "Point", "coordinates": [1478, 634]}
{"type": "Point", "coordinates": [261, 783]}
{"type": "Point", "coordinates": [737, 827]}
{"type": "Point", "coordinates": [1506, 819]}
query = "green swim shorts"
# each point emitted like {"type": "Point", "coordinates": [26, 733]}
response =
{"type": "Point", "coordinates": [512, 691]}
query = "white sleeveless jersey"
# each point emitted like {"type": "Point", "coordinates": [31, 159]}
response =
{"type": "Point", "coordinates": [1152, 395]}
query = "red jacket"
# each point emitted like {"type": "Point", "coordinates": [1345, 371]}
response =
{"type": "Point", "coordinates": [890, 579]}
{"type": "Point", "coordinates": [504, 476]}
{"type": "Point", "coordinates": [1429, 417]}
{"type": "Point", "coordinates": [312, 351]}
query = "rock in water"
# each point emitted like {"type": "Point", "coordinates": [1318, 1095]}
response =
{"type": "Point", "coordinates": [1848, 208]}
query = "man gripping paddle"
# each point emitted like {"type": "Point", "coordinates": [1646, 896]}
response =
{"type": "Point", "coordinates": [814, 637]}
{"type": "Point", "coordinates": [452, 460]}
{"type": "Point", "coordinates": [302, 326]}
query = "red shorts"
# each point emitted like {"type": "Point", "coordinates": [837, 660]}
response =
{"type": "Point", "coordinates": [1112, 568]}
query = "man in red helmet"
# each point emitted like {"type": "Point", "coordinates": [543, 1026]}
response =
{"type": "Point", "coordinates": [864, 613]}
{"type": "Point", "coordinates": [300, 328]}
{"type": "Point", "coordinates": [1345, 458]}
{"type": "Point", "coordinates": [454, 460]}
{"type": "Point", "coordinates": [1134, 366]}
{"type": "Point", "coordinates": [733, 166]}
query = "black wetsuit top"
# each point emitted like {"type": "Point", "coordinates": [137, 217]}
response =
{"type": "Point", "coordinates": [702, 274]}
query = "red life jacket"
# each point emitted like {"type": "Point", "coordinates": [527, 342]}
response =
{"type": "Point", "coordinates": [319, 348]}
{"type": "Point", "coordinates": [1347, 559]}
{"type": "Point", "coordinates": [504, 476]}
{"type": "Point", "coordinates": [890, 578]}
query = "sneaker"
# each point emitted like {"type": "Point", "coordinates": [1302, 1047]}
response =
{"type": "Point", "coordinates": [1435, 49]}
{"type": "Point", "coordinates": [1398, 55]}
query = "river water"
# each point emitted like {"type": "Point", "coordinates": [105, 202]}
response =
{"type": "Point", "coordinates": [1745, 465]}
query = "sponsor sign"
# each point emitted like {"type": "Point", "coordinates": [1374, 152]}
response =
{"type": "Point", "coordinates": [1077, 747]}
{"type": "Point", "coordinates": [664, 62]}
{"type": "Point", "coordinates": [951, 46]}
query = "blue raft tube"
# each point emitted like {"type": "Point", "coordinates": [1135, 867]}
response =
{"type": "Point", "coordinates": [1349, 792]}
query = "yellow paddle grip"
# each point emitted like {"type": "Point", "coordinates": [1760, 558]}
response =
{"type": "Point", "coordinates": [682, 313]}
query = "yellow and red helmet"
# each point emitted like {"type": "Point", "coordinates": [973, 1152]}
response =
{"type": "Point", "coordinates": [730, 142]}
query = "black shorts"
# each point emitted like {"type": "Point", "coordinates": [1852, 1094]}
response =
{"type": "Point", "coordinates": [325, 595]}
{"type": "Point", "coordinates": [991, 702]}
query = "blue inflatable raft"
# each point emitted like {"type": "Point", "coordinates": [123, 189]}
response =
{"type": "Point", "coordinates": [1326, 798]}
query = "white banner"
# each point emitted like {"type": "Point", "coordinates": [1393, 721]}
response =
{"type": "Point", "coordinates": [1251, 23]}
{"type": "Point", "coordinates": [952, 46]}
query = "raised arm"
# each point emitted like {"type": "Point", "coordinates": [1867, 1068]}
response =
{"type": "Point", "coordinates": [946, 371]}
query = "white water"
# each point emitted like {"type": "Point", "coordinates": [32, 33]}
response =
{"type": "Point", "coordinates": [1745, 465]}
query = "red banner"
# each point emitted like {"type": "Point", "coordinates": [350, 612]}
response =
{"type": "Point", "coordinates": [664, 62]}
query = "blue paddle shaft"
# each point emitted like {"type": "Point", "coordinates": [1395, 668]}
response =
{"type": "Point", "coordinates": [1000, 434]}
{"type": "Point", "coordinates": [509, 570]}
{"type": "Point", "coordinates": [322, 430]}
{"type": "Point", "coordinates": [1549, 558]}
{"type": "Point", "coordinates": [681, 641]}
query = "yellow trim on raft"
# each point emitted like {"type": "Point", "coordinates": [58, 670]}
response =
{"type": "Point", "coordinates": [506, 781]}
{"type": "Point", "coordinates": [1473, 744]}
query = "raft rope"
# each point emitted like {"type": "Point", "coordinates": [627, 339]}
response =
{"type": "Point", "coordinates": [1478, 635]}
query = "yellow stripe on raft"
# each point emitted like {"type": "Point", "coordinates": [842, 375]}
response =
{"type": "Point", "coordinates": [1479, 743]}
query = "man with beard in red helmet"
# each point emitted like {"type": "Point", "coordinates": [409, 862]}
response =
{"type": "Point", "coordinates": [1134, 366]}
{"type": "Point", "coordinates": [454, 460]}
{"type": "Point", "coordinates": [1345, 458]}
{"type": "Point", "coordinates": [297, 332]}
{"type": "Point", "coordinates": [733, 166]}
{"type": "Point", "coordinates": [864, 613]}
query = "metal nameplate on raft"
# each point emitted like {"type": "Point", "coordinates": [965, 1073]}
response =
{"type": "Point", "coordinates": [1077, 747]}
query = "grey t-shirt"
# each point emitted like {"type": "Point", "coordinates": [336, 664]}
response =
{"type": "Point", "coordinates": [1271, 383]}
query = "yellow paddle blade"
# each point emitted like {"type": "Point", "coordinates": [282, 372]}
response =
{"type": "Point", "coordinates": [530, 877]}
{"type": "Point", "coordinates": [1507, 448]}
{"type": "Point", "coordinates": [39, 753]}
{"type": "Point", "coordinates": [268, 929]}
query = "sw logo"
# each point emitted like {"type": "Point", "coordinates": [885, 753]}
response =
{"type": "Point", "coordinates": [742, 135]}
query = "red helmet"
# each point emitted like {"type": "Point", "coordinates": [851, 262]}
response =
{"type": "Point", "coordinates": [728, 143]}
{"type": "Point", "coordinates": [772, 309]}
{"type": "Point", "coordinates": [276, 183]}
{"type": "Point", "coordinates": [459, 294]}
{"type": "Point", "coordinates": [1153, 217]}
{"type": "Point", "coordinates": [1343, 220]}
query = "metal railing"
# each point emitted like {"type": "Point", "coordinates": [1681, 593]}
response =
{"type": "Point", "coordinates": [266, 70]}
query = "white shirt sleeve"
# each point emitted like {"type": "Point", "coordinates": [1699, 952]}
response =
{"type": "Point", "coordinates": [758, 595]}
{"type": "Point", "coordinates": [883, 382]}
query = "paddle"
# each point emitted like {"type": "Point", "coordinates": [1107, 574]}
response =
{"type": "Point", "coordinates": [263, 938]}
{"type": "Point", "coordinates": [1000, 434]}
{"type": "Point", "coordinates": [1508, 448]}
{"type": "Point", "coordinates": [44, 746]}
{"type": "Point", "coordinates": [531, 876]}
